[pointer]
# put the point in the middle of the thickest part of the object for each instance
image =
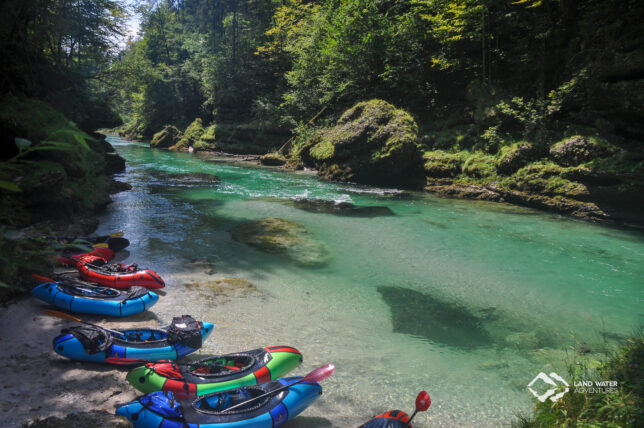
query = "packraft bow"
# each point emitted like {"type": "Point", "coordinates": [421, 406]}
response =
{"type": "Point", "coordinates": [69, 257]}
{"type": "Point", "coordinates": [216, 373]}
{"type": "Point", "coordinates": [120, 275]}
{"type": "Point", "coordinates": [389, 419]}
{"type": "Point", "coordinates": [164, 409]}
{"type": "Point", "coordinates": [78, 296]}
{"type": "Point", "coordinates": [133, 346]}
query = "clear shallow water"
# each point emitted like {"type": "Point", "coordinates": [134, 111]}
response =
{"type": "Point", "coordinates": [468, 300]}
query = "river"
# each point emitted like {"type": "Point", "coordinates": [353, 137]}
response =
{"type": "Point", "coordinates": [467, 300]}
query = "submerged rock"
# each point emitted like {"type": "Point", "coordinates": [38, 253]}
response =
{"type": "Point", "coordinates": [522, 341]}
{"type": "Point", "coordinates": [436, 320]}
{"type": "Point", "coordinates": [280, 236]}
{"type": "Point", "coordinates": [227, 287]}
{"type": "Point", "coordinates": [338, 208]}
{"type": "Point", "coordinates": [373, 143]}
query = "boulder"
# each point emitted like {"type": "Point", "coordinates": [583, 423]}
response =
{"type": "Point", "coordinates": [512, 158]}
{"type": "Point", "coordinates": [227, 287]}
{"type": "Point", "coordinates": [577, 150]}
{"type": "Point", "coordinates": [372, 143]}
{"type": "Point", "coordinates": [167, 137]}
{"type": "Point", "coordinates": [191, 135]}
{"type": "Point", "coordinates": [280, 236]}
{"type": "Point", "coordinates": [114, 163]}
{"type": "Point", "coordinates": [273, 159]}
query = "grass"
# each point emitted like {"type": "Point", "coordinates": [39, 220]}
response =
{"type": "Point", "coordinates": [623, 407]}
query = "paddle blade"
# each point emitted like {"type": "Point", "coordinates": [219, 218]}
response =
{"type": "Point", "coordinates": [319, 374]}
{"type": "Point", "coordinates": [62, 315]}
{"type": "Point", "coordinates": [102, 245]}
{"type": "Point", "coordinates": [116, 235]}
{"type": "Point", "coordinates": [42, 278]}
{"type": "Point", "coordinates": [423, 401]}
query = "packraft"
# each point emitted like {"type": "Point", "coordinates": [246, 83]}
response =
{"type": "Point", "coordinates": [69, 257]}
{"type": "Point", "coordinates": [390, 419]}
{"type": "Point", "coordinates": [133, 346]}
{"type": "Point", "coordinates": [114, 243]}
{"type": "Point", "coordinates": [78, 296]}
{"type": "Point", "coordinates": [120, 275]}
{"type": "Point", "coordinates": [164, 409]}
{"type": "Point", "coordinates": [216, 373]}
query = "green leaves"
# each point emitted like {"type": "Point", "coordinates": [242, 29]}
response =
{"type": "Point", "coordinates": [9, 185]}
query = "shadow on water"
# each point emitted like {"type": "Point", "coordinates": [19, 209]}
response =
{"type": "Point", "coordinates": [436, 320]}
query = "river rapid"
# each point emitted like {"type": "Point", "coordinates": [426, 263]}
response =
{"type": "Point", "coordinates": [467, 300]}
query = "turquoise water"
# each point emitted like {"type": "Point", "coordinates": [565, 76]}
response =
{"type": "Point", "coordinates": [468, 300]}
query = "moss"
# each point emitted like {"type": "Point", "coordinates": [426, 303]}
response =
{"type": "Point", "coordinates": [191, 135]}
{"type": "Point", "coordinates": [514, 156]}
{"type": "Point", "coordinates": [479, 165]}
{"type": "Point", "coordinates": [440, 164]}
{"type": "Point", "coordinates": [373, 142]}
{"type": "Point", "coordinates": [322, 151]}
{"type": "Point", "coordinates": [167, 137]}
{"type": "Point", "coordinates": [273, 159]}
{"type": "Point", "coordinates": [452, 138]}
{"type": "Point", "coordinates": [579, 149]}
{"type": "Point", "coordinates": [207, 140]}
{"type": "Point", "coordinates": [547, 178]}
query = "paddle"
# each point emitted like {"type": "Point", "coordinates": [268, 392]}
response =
{"type": "Point", "coordinates": [422, 403]}
{"type": "Point", "coordinates": [316, 375]}
{"type": "Point", "coordinates": [63, 315]}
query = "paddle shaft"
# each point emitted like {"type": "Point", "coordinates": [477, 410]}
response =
{"type": "Point", "coordinates": [280, 389]}
{"type": "Point", "coordinates": [412, 417]}
{"type": "Point", "coordinates": [73, 318]}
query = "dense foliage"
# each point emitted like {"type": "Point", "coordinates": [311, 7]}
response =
{"type": "Point", "coordinates": [489, 71]}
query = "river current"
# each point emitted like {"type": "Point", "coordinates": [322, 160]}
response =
{"type": "Point", "coordinates": [467, 300]}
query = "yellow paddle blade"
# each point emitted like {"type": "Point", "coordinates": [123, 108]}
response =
{"type": "Point", "coordinates": [63, 315]}
{"type": "Point", "coordinates": [116, 235]}
{"type": "Point", "coordinates": [102, 245]}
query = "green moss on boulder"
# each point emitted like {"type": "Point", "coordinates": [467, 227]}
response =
{"type": "Point", "coordinates": [167, 137]}
{"type": "Point", "coordinates": [191, 135]}
{"type": "Point", "coordinates": [511, 158]}
{"type": "Point", "coordinates": [273, 159]}
{"type": "Point", "coordinates": [479, 165]}
{"type": "Point", "coordinates": [440, 164]}
{"type": "Point", "coordinates": [546, 178]}
{"type": "Point", "coordinates": [373, 142]}
{"type": "Point", "coordinates": [576, 150]}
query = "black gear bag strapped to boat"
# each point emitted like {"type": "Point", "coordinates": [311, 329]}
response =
{"type": "Point", "coordinates": [185, 330]}
{"type": "Point", "coordinates": [93, 339]}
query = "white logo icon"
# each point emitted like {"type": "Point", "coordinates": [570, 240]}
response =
{"type": "Point", "coordinates": [549, 380]}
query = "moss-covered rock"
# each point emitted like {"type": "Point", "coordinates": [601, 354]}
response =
{"type": "Point", "coordinates": [58, 168]}
{"type": "Point", "coordinates": [511, 158]}
{"type": "Point", "coordinates": [546, 178]}
{"type": "Point", "coordinates": [273, 159]}
{"type": "Point", "coordinates": [191, 135]}
{"type": "Point", "coordinates": [167, 137]}
{"type": "Point", "coordinates": [576, 150]}
{"type": "Point", "coordinates": [280, 236]}
{"type": "Point", "coordinates": [373, 142]}
{"type": "Point", "coordinates": [479, 165]}
{"type": "Point", "coordinates": [440, 164]}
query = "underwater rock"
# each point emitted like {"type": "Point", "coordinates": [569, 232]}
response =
{"type": "Point", "coordinates": [280, 236]}
{"type": "Point", "coordinates": [338, 208]}
{"type": "Point", "coordinates": [436, 320]}
{"type": "Point", "coordinates": [187, 178]}
{"type": "Point", "coordinates": [522, 341]}
{"type": "Point", "coordinates": [227, 287]}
